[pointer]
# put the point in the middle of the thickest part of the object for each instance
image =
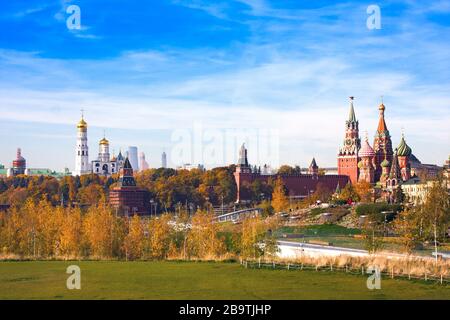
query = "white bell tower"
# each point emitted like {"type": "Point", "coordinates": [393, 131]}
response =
{"type": "Point", "coordinates": [82, 165]}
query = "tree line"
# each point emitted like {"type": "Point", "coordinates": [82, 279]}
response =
{"type": "Point", "coordinates": [168, 188]}
{"type": "Point", "coordinates": [41, 230]}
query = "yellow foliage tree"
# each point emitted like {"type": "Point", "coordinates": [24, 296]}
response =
{"type": "Point", "coordinates": [203, 240]}
{"type": "Point", "coordinates": [257, 237]}
{"type": "Point", "coordinates": [364, 191]}
{"type": "Point", "coordinates": [280, 201]}
{"type": "Point", "coordinates": [98, 229]}
{"type": "Point", "coordinates": [159, 232]}
{"type": "Point", "coordinates": [71, 233]}
{"type": "Point", "coordinates": [134, 241]}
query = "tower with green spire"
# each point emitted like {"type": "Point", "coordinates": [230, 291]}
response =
{"type": "Point", "coordinates": [403, 154]}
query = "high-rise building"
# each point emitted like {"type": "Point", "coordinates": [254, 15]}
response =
{"type": "Point", "coordinates": [164, 160]}
{"type": "Point", "coordinates": [143, 164]}
{"type": "Point", "coordinates": [133, 157]}
{"type": "Point", "coordinates": [82, 165]}
{"type": "Point", "coordinates": [348, 153]}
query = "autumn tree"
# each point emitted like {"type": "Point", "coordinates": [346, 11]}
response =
{"type": "Point", "coordinates": [203, 240]}
{"type": "Point", "coordinates": [364, 191]}
{"type": "Point", "coordinates": [436, 211]}
{"type": "Point", "coordinates": [280, 201]}
{"type": "Point", "coordinates": [407, 226]}
{"type": "Point", "coordinates": [91, 195]}
{"type": "Point", "coordinates": [134, 240]}
{"type": "Point", "coordinates": [98, 228]}
{"type": "Point", "coordinates": [71, 233]}
{"type": "Point", "coordinates": [159, 237]}
{"type": "Point", "coordinates": [257, 237]}
{"type": "Point", "coordinates": [348, 193]}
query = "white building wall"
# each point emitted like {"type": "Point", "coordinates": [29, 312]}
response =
{"type": "Point", "coordinates": [82, 165]}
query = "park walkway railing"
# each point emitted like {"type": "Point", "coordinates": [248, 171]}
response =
{"type": "Point", "coordinates": [392, 273]}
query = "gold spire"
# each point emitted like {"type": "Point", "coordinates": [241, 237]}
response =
{"type": "Point", "coordinates": [82, 124]}
{"type": "Point", "coordinates": [382, 107]}
{"type": "Point", "coordinates": [104, 141]}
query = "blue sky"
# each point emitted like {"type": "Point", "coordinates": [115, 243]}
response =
{"type": "Point", "coordinates": [144, 69]}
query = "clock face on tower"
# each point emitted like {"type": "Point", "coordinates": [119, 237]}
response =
{"type": "Point", "coordinates": [348, 142]}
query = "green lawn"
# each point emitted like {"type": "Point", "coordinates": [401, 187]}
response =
{"type": "Point", "coordinates": [189, 280]}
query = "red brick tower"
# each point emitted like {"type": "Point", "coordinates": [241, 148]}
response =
{"type": "Point", "coordinates": [382, 144]}
{"type": "Point", "coordinates": [348, 154]}
{"type": "Point", "coordinates": [313, 169]}
{"type": "Point", "coordinates": [243, 174]}
{"type": "Point", "coordinates": [127, 198]}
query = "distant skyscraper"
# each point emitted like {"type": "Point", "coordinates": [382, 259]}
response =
{"type": "Point", "coordinates": [164, 160]}
{"type": "Point", "coordinates": [142, 162]}
{"type": "Point", "coordinates": [133, 157]}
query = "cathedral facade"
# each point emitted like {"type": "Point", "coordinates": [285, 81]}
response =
{"type": "Point", "coordinates": [379, 165]}
{"type": "Point", "coordinates": [103, 165]}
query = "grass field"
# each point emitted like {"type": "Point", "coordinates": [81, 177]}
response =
{"type": "Point", "coordinates": [190, 280]}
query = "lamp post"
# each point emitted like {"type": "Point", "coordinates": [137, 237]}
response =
{"type": "Point", "coordinates": [151, 207]}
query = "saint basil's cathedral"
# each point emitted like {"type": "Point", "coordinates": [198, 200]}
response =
{"type": "Point", "coordinates": [379, 165]}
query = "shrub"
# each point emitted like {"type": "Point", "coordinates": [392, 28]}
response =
{"type": "Point", "coordinates": [375, 210]}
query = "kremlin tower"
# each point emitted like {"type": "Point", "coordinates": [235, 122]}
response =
{"type": "Point", "coordinates": [348, 153]}
{"type": "Point", "coordinates": [313, 169]}
{"type": "Point", "coordinates": [382, 144]}
{"type": "Point", "coordinates": [82, 165]}
{"type": "Point", "coordinates": [127, 198]}
{"type": "Point", "coordinates": [379, 165]}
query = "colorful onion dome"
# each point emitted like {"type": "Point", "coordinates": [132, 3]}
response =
{"type": "Point", "coordinates": [82, 124]}
{"type": "Point", "coordinates": [104, 142]}
{"type": "Point", "coordinates": [366, 150]}
{"type": "Point", "coordinates": [403, 150]}
{"type": "Point", "coordinates": [381, 107]}
{"type": "Point", "coordinates": [385, 163]}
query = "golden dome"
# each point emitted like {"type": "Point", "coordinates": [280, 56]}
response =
{"type": "Point", "coordinates": [82, 124]}
{"type": "Point", "coordinates": [382, 107]}
{"type": "Point", "coordinates": [104, 142]}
